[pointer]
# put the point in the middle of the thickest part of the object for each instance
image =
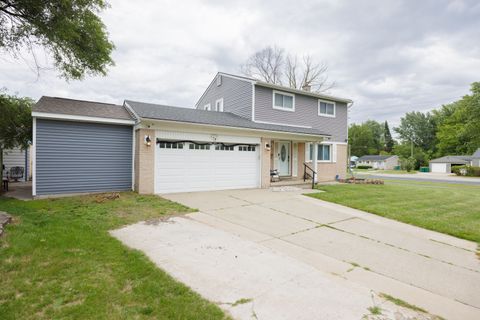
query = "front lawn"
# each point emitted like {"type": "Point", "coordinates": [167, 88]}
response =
{"type": "Point", "coordinates": [449, 208]}
{"type": "Point", "coordinates": [57, 260]}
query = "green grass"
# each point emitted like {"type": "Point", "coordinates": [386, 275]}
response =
{"type": "Point", "coordinates": [57, 260]}
{"type": "Point", "coordinates": [453, 209]}
{"type": "Point", "coordinates": [376, 310]}
{"type": "Point", "coordinates": [402, 303]}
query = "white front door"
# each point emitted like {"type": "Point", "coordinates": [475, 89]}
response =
{"type": "Point", "coordinates": [283, 156]}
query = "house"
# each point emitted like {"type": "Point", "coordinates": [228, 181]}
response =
{"type": "Point", "coordinates": [387, 162]}
{"type": "Point", "coordinates": [240, 130]}
{"type": "Point", "coordinates": [17, 157]}
{"type": "Point", "coordinates": [444, 164]}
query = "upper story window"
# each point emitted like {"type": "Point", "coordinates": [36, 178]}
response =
{"type": "Point", "coordinates": [283, 101]}
{"type": "Point", "coordinates": [207, 107]}
{"type": "Point", "coordinates": [219, 105]}
{"type": "Point", "coordinates": [326, 108]}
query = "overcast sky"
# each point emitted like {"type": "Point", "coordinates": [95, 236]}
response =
{"type": "Point", "coordinates": [390, 57]}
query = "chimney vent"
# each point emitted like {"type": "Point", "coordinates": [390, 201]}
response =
{"type": "Point", "coordinates": [307, 88]}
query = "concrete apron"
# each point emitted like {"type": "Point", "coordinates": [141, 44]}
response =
{"type": "Point", "coordinates": [281, 255]}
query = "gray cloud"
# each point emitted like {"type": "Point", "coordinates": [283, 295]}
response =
{"type": "Point", "coordinates": [389, 57]}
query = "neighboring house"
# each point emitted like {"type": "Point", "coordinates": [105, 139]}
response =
{"type": "Point", "coordinates": [17, 157]}
{"type": "Point", "coordinates": [240, 130]}
{"type": "Point", "coordinates": [444, 164]}
{"type": "Point", "coordinates": [379, 162]}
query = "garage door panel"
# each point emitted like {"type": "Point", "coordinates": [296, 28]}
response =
{"type": "Point", "coordinates": [183, 170]}
{"type": "Point", "coordinates": [439, 167]}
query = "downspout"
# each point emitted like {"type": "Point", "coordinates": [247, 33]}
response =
{"type": "Point", "coordinates": [349, 155]}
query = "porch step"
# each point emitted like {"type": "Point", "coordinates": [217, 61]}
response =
{"type": "Point", "coordinates": [299, 183]}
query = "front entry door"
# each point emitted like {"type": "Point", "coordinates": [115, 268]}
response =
{"type": "Point", "coordinates": [283, 155]}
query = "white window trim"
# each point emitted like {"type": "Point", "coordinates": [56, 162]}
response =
{"type": "Point", "coordinates": [221, 105]}
{"type": "Point", "coordinates": [207, 107]}
{"type": "Point", "coordinates": [324, 114]}
{"type": "Point", "coordinates": [333, 152]}
{"type": "Point", "coordinates": [330, 149]}
{"type": "Point", "coordinates": [285, 94]}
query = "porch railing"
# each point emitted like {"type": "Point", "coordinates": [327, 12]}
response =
{"type": "Point", "coordinates": [309, 173]}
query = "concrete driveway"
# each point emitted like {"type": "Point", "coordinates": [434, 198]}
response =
{"type": "Point", "coordinates": [264, 254]}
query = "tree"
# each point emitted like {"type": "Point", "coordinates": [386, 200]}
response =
{"type": "Point", "coordinates": [389, 143]}
{"type": "Point", "coordinates": [459, 125]}
{"type": "Point", "coordinates": [15, 122]}
{"type": "Point", "coordinates": [365, 138]}
{"type": "Point", "coordinates": [266, 64]}
{"type": "Point", "coordinates": [272, 65]}
{"type": "Point", "coordinates": [69, 30]}
{"type": "Point", "coordinates": [403, 150]}
{"type": "Point", "coordinates": [418, 128]}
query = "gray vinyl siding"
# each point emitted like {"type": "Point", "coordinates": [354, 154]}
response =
{"type": "Point", "coordinates": [78, 157]}
{"type": "Point", "coordinates": [16, 158]}
{"type": "Point", "coordinates": [306, 114]}
{"type": "Point", "coordinates": [236, 94]}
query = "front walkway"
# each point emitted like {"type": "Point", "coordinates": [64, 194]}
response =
{"type": "Point", "coordinates": [301, 258]}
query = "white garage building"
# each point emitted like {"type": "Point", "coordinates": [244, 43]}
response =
{"type": "Point", "coordinates": [444, 164]}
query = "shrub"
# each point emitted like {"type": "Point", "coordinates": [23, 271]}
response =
{"type": "Point", "coordinates": [469, 171]}
{"type": "Point", "coordinates": [459, 170]}
{"type": "Point", "coordinates": [408, 164]}
{"type": "Point", "coordinates": [364, 167]}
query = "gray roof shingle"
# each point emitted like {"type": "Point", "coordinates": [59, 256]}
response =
{"type": "Point", "coordinates": [81, 108]}
{"type": "Point", "coordinates": [453, 159]}
{"type": "Point", "coordinates": [374, 158]}
{"type": "Point", "coordinates": [227, 119]}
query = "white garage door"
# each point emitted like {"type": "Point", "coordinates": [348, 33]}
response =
{"type": "Point", "coordinates": [199, 166]}
{"type": "Point", "coordinates": [439, 167]}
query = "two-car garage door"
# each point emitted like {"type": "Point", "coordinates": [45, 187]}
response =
{"type": "Point", "coordinates": [200, 165]}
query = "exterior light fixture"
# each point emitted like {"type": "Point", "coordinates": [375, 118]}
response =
{"type": "Point", "coordinates": [148, 141]}
{"type": "Point", "coordinates": [267, 146]}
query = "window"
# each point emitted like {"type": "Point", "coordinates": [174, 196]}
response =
{"type": "Point", "coordinates": [207, 107]}
{"type": "Point", "coordinates": [323, 152]}
{"type": "Point", "coordinates": [223, 147]}
{"type": "Point", "coordinates": [219, 105]}
{"type": "Point", "coordinates": [246, 148]}
{"type": "Point", "coordinates": [171, 145]}
{"type": "Point", "coordinates": [195, 146]}
{"type": "Point", "coordinates": [326, 108]}
{"type": "Point", "coordinates": [283, 101]}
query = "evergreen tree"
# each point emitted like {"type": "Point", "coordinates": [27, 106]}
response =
{"type": "Point", "coordinates": [388, 138]}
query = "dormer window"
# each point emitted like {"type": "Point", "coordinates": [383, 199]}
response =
{"type": "Point", "coordinates": [283, 101]}
{"type": "Point", "coordinates": [219, 105]}
{"type": "Point", "coordinates": [326, 108]}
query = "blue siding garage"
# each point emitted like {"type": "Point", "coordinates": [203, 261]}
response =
{"type": "Point", "coordinates": [78, 157]}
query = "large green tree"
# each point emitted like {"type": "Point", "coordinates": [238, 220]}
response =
{"type": "Point", "coordinates": [459, 124]}
{"type": "Point", "coordinates": [70, 30]}
{"type": "Point", "coordinates": [366, 138]}
{"type": "Point", "coordinates": [418, 128]}
{"type": "Point", "coordinates": [15, 122]}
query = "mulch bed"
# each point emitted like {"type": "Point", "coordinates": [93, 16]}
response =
{"type": "Point", "coordinates": [361, 181]}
